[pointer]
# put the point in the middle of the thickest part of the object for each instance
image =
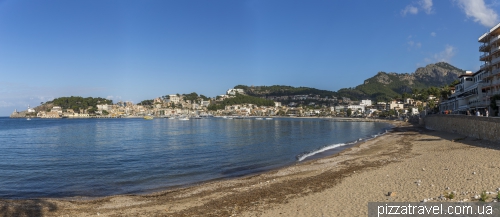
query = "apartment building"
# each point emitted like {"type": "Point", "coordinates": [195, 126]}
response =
{"type": "Point", "coordinates": [490, 55]}
{"type": "Point", "coordinates": [475, 90]}
{"type": "Point", "coordinates": [470, 94]}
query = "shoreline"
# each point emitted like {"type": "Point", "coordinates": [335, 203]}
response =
{"type": "Point", "coordinates": [414, 163]}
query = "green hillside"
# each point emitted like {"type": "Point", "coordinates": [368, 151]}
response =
{"type": "Point", "coordinates": [282, 90]}
{"type": "Point", "coordinates": [240, 99]}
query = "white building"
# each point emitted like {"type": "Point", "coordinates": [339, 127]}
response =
{"type": "Point", "coordinates": [103, 107]}
{"type": "Point", "coordinates": [30, 110]}
{"type": "Point", "coordinates": [205, 103]}
{"type": "Point", "coordinates": [469, 94]}
{"type": "Point", "coordinates": [366, 102]}
{"type": "Point", "coordinates": [174, 98]}
{"type": "Point", "coordinates": [490, 47]}
{"type": "Point", "coordinates": [396, 105]}
{"type": "Point", "coordinates": [234, 91]}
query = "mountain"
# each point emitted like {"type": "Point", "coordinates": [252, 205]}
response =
{"type": "Point", "coordinates": [389, 85]}
{"type": "Point", "coordinates": [382, 86]}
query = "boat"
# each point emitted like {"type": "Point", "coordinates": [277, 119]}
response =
{"type": "Point", "coordinates": [148, 117]}
{"type": "Point", "coordinates": [269, 118]}
{"type": "Point", "coordinates": [258, 119]}
{"type": "Point", "coordinates": [184, 119]}
{"type": "Point", "coordinates": [28, 119]}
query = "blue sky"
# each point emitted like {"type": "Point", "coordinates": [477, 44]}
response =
{"type": "Point", "coordinates": [136, 50]}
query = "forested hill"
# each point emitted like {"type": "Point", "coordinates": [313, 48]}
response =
{"type": "Point", "coordinates": [77, 102]}
{"type": "Point", "coordinates": [282, 90]}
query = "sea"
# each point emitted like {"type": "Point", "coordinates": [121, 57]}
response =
{"type": "Point", "coordinates": [60, 158]}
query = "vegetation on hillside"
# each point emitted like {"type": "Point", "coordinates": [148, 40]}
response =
{"type": "Point", "coordinates": [282, 90]}
{"type": "Point", "coordinates": [194, 97]}
{"type": "Point", "coordinates": [240, 99]}
{"type": "Point", "coordinates": [77, 102]}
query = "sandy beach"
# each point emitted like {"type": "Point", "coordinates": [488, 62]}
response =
{"type": "Point", "coordinates": [414, 163]}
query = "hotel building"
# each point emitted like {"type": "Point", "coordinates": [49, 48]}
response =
{"type": "Point", "coordinates": [475, 89]}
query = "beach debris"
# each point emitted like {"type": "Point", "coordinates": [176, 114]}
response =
{"type": "Point", "coordinates": [391, 194]}
{"type": "Point", "coordinates": [474, 173]}
{"type": "Point", "coordinates": [447, 188]}
{"type": "Point", "coordinates": [425, 200]}
{"type": "Point", "coordinates": [498, 189]}
{"type": "Point", "coordinates": [423, 169]}
{"type": "Point", "coordinates": [476, 197]}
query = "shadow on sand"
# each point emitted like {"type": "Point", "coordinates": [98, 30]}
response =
{"type": "Point", "coordinates": [21, 208]}
{"type": "Point", "coordinates": [454, 137]}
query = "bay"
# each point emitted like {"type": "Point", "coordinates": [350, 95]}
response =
{"type": "Point", "coordinates": [100, 157]}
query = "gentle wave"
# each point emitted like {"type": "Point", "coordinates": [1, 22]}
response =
{"type": "Point", "coordinates": [302, 157]}
{"type": "Point", "coordinates": [326, 148]}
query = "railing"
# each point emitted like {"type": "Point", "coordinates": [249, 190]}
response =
{"type": "Point", "coordinates": [495, 61]}
{"type": "Point", "coordinates": [482, 47]}
{"type": "Point", "coordinates": [496, 71]}
{"type": "Point", "coordinates": [484, 65]}
{"type": "Point", "coordinates": [494, 82]}
{"type": "Point", "coordinates": [483, 56]}
{"type": "Point", "coordinates": [494, 38]}
{"type": "Point", "coordinates": [495, 49]}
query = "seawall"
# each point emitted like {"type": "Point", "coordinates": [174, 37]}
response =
{"type": "Point", "coordinates": [487, 128]}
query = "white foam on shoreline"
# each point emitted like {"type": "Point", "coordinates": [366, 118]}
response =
{"type": "Point", "coordinates": [326, 148]}
{"type": "Point", "coordinates": [334, 146]}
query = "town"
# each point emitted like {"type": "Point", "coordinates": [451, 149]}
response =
{"type": "Point", "coordinates": [192, 105]}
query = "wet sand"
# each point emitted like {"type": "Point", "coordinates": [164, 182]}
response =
{"type": "Point", "coordinates": [412, 162]}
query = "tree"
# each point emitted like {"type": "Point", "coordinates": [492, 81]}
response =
{"type": "Point", "coordinates": [104, 112]}
{"type": "Point", "coordinates": [349, 112]}
{"type": "Point", "coordinates": [91, 110]}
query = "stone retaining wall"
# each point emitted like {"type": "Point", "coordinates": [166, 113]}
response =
{"type": "Point", "coordinates": [487, 128]}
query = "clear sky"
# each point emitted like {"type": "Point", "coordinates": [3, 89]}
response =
{"type": "Point", "coordinates": [136, 50]}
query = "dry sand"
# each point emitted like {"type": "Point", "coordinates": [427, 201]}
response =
{"type": "Point", "coordinates": [414, 163]}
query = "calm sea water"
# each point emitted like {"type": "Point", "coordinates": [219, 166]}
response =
{"type": "Point", "coordinates": [99, 157]}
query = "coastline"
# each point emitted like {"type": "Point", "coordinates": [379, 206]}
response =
{"type": "Point", "coordinates": [340, 184]}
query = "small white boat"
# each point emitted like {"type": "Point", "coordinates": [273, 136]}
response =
{"type": "Point", "coordinates": [28, 119]}
{"type": "Point", "coordinates": [269, 118]}
{"type": "Point", "coordinates": [258, 119]}
{"type": "Point", "coordinates": [184, 119]}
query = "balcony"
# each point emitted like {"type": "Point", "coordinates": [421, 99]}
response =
{"type": "Point", "coordinates": [496, 71]}
{"type": "Point", "coordinates": [484, 66]}
{"type": "Point", "coordinates": [495, 60]}
{"type": "Point", "coordinates": [495, 82]}
{"type": "Point", "coordinates": [494, 38]}
{"type": "Point", "coordinates": [483, 57]}
{"type": "Point", "coordinates": [494, 49]}
{"type": "Point", "coordinates": [484, 48]}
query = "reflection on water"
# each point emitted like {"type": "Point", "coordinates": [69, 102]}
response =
{"type": "Point", "coordinates": [97, 157]}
